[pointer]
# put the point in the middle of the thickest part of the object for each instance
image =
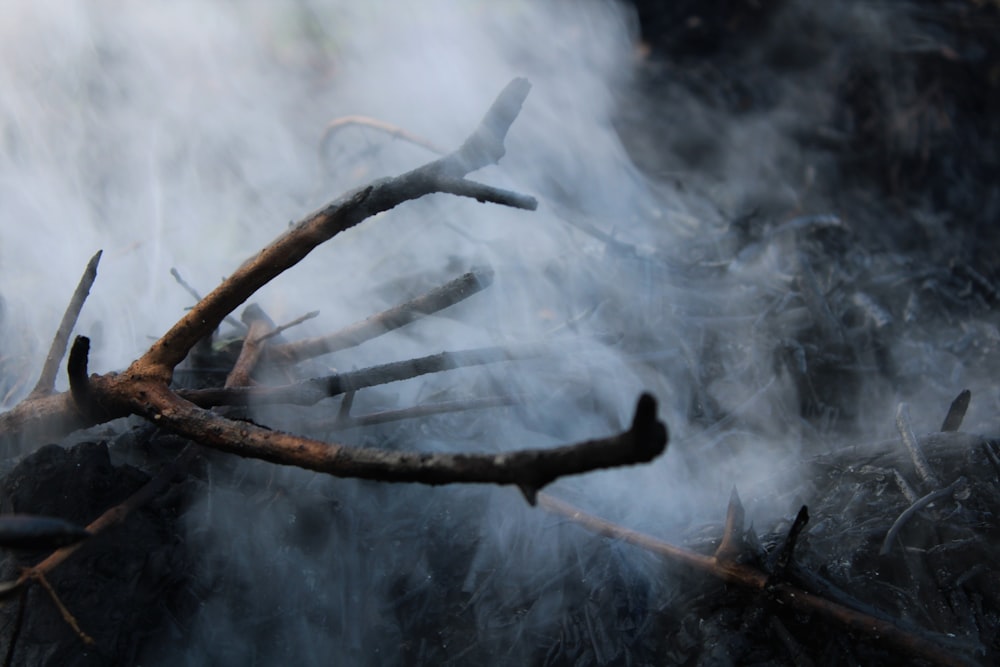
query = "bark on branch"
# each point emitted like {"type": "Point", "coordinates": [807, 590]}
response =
{"type": "Point", "coordinates": [446, 174]}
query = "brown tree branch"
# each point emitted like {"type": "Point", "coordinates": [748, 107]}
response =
{"type": "Point", "coordinates": [258, 326]}
{"type": "Point", "coordinates": [47, 379]}
{"type": "Point", "coordinates": [309, 392]}
{"type": "Point", "coordinates": [56, 415]}
{"type": "Point", "coordinates": [398, 316]}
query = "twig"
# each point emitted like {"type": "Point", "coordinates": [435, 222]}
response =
{"type": "Point", "coordinates": [909, 641]}
{"type": "Point", "coordinates": [399, 316]}
{"type": "Point", "coordinates": [904, 425]}
{"type": "Point", "coordinates": [47, 379]}
{"type": "Point", "coordinates": [338, 124]}
{"type": "Point", "coordinates": [897, 525]}
{"type": "Point", "coordinates": [288, 325]}
{"type": "Point", "coordinates": [956, 412]}
{"type": "Point", "coordinates": [229, 319]}
{"type": "Point", "coordinates": [258, 326]}
{"type": "Point", "coordinates": [529, 469]}
{"type": "Point", "coordinates": [348, 422]}
{"type": "Point", "coordinates": [63, 611]}
{"type": "Point", "coordinates": [309, 392]}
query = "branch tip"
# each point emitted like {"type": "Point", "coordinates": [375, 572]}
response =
{"type": "Point", "coordinates": [649, 434]}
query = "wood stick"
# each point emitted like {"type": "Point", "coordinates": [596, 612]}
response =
{"type": "Point", "coordinates": [529, 469]}
{"type": "Point", "coordinates": [258, 326]}
{"type": "Point", "coordinates": [398, 316]}
{"type": "Point", "coordinates": [956, 412]}
{"type": "Point", "coordinates": [47, 379]}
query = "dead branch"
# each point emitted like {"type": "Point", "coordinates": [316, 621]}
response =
{"type": "Point", "coordinates": [47, 379]}
{"type": "Point", "coordinates": [347, 421]}
{"type": "Point", "coordinates": [909, 512]}
{"type": "Point", "coordinates": [396, 317]}
{"type": "Point", "coordinates": [338, 124]}
{"type": "Point", "coordinates": [312, 314]}
{"type": "Point", "coordinates": [310, 392]}
{"type": "Point", "coordinates": [229, 319]}
{"type": "Point", "coordinates": [446, 174]}
{"type": "Point", "coordinates": [111, 517]}
{"type": "Point", "coordinates": [910, 641]}
{"type": "Point", "coordinates": [956, 411]}
{"type": "Point", "coordinates": [905, 427]}
{"type": "Point", "coordinates": [259, 325]}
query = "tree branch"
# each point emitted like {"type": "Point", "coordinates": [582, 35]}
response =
{"type": "Point", "coordinates": [398, 316]}
{"type": "Point", "coordinates": [529, 469]}
{"type": "Point", "coordinates": [483, 148]}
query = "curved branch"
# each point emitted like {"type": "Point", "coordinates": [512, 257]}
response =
{"type": "Point", "coordinates": [398, 316]}
{"type": "Point", "coordinates": [529, 469]}
{"type": "Point", "coordinates": [46, 382]}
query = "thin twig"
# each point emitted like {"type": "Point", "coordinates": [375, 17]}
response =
{"type": "Point", "coordinates": [529, 469]}
{"type": "Point", "coordinates": [258, 326]}
{"type": "Point", "coordinates": [47, 379]}
{"type": "Point", "coordinates": [63, 611]}
{"type": "Point", "coordinates": [482, 148]}
{"type": "Point", "coordinates": [398, 316]}
{"type": "Point", "coordinates": [897, 525]}
{"type": "Point", "coordinates": [309, 392]}
{"type": "Point", "coordinates": [956, 412]}
{"type": "Point", "coordinates": [229, 319]}
{"type": "Point", "coordinates": [288, 325]}
{"type": "Point", "coordinates": [904, 425]}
